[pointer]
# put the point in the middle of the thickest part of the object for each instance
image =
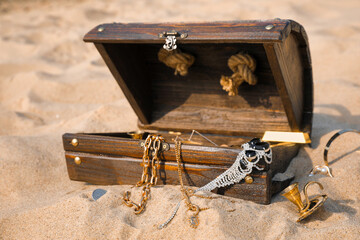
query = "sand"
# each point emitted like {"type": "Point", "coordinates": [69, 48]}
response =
{"type": "Point", "coordinates": [51, 82]}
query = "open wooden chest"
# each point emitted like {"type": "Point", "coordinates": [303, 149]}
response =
{"type": "Point", "coordinates": [281, 100]}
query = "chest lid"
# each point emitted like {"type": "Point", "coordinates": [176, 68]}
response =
{"type": "Point", "coordinates": [281, 99]}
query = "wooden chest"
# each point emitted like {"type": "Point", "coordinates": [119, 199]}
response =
{"type": "Point", "coordinates": [281, 100]}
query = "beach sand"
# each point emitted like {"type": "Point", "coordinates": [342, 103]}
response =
{"type": "Point", "coordinates": [51, 82]}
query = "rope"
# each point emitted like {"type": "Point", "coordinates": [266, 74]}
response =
{"type": "Point", "coordinates": [177, 60]}
{"type": "Point", "coordinates": [243, 66]}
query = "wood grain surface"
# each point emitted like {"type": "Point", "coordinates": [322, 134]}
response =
{"type": "Point", "coordinates": [281, 101]}
{"type": "Point", "coordinates": [193, 154]}
{"type": "Point", "coordinates": [116, 159]}
{"type": "Point", "coordinates": [105, 170]}
{"type": "Point", "coordinates": [240, 31]}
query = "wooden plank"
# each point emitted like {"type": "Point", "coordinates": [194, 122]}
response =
{"type": "Point", "coordinates": [105, 170]}
{"type": "Point", "coordinates": [293, 75]}
{"type": "Point", "coordinates": [173, 96]}
{"type": "Point", "coordinates": [245, 122]}
{"type": "Point", "coordinates": [289, 58]}
{"type": "Point", "coordinates": [283, 79]}
{"type": "Point", "coordinates": [269, 102]}
{"type": "Point", "coordinates": [103, 161]}
{"type": "Point", "coordinates": [137, 96]}
{"type": "Point", "coordinates": [192, 154]}
{"type": "Point", "coordinates": [283, 153]}
{"type": "Point", "coordinates": [299, 33]}
{"type": "Point", "coordinates": [201, 95]}
{"type": "Point", "coordinates": [203, 155]}
{"type": "Point", "coordinates": [240, 31]}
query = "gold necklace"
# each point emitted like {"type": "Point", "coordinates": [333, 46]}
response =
{"type": "Point", "coordinates": [187, 193]}
{"type": "Point", "coordinates": [152, 142]}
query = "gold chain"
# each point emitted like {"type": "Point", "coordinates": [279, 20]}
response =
{"type": "Point", "coordinates": [187, 193]}
{"type": "Point", "coordinates": [151, 143]}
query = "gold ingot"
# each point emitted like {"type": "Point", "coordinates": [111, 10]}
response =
{"type": "Point", "coordinates": [77, 160]}
{"type": "Point", "coordinates": [307, 207]}
{"type": "Point", "coordinates": [136, 134]}
{"type": "Point", "coordinates": [249, 179]}
{"type": "Point", "coordinates": [288, 137]}
{"type": "Point", "coordinates": [74, 142]}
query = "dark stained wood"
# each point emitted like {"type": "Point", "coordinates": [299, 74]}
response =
{"type": "Point", "coordinates": [283, 153]}
{"type": "Point", "coordinates": [308, 89]}
{"type": "Point", "coordinates": [281, 75]}
{"type": "Point", "coordinates": [278, 186]}
{"type": "Point", "coordinates": [128, 147]}
{"type": "Point", "coordinates": [214, 120]}
{"type": "Point", "coordinates": [197, 101]}
{"type": "Point", "coordinates": [138, 97]}
{"type": "Point", "coordinates": [290, 62]}
{"type": "Point", "coordinates": [281, 101]}
{"type": "Point", "coordinates": [293, 75]}
{"type": "Point", "coordinates": [105, 170]}
{"type": "Point", "coordinates": [192, 154]}
{"type": "Point", "coordinates": [116, 159]}
{"type": "Point", "coordinates": [239, 31]}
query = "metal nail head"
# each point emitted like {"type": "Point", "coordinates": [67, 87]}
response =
{"type": "Point", "coordinates": [74, 142]}
{"type": "Point", "coordinates": [183, 35]}
{"type": "Point", "coordinates": [77, 160]}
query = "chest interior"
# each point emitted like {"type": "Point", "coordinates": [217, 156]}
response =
{"type": "Point", "coordinates": [197, 100]}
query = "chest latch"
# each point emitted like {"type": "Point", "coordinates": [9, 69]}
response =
{"type": "Point", "coordinates": [170, 39]}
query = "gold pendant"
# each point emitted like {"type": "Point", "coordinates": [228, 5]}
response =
{"type": "Point", "coordinates": [194, 221]}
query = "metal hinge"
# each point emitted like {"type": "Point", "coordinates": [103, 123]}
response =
{"type": "Point", "coordinates": [164, 146]}
{"type": "Point", "coordinates": [170, 39]}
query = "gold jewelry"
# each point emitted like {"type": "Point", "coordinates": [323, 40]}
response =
{"type": "Point", "coordinates": [236, 172]}
{"type": "Point", "coordinates": [325, 169]}
{"type": "Point", "coordinates": [151, 143]}
{"type": "Point", "coordinates": [309, 206]}
{"type": "Point", "coordinates": [265, 153]}
{"type": "Point", "coordinates": [186, 193]}
{"type": "Point", "coordinates": [193, 219]}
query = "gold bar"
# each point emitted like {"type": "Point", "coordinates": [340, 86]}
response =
{"type": "Point", "coordinates": [293, 137]}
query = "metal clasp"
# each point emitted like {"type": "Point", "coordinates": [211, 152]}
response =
{"type": "Point", "coordinates": [170, 39]}
{"type": "Point", "coordinates": [164, 146]}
